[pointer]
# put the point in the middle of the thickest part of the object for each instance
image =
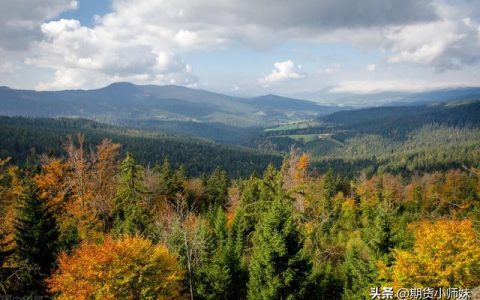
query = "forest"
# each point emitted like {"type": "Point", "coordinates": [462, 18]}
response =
{"type": "Point", "coordinates": [24, 139]}
{"type": "Point", "coordinates": [394, 139]}
{"type": "Point", "coordinates": [96, 223]}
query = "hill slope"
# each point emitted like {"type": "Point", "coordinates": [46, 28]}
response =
{"type": "Point", "coordinates": [122, 102]}
{"type": "Point", "coordinates": [393, 139]}
{"type": "Point", "coordinates": [24, 138]}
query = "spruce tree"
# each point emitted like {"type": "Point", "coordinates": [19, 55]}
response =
{"type": "Point", "coordinates": [165, 178]}
{"type": "Point", "coordinates": [216, 188]}
{"type": "Point", "coordinates": [279, 268]}
{"type": "Point", "coordinates": [131, 217]}
{"type": "Point", "coordinates": [179, 177]}
{"type": "Point", "coordinates": [216, 275]}
{"type": "Point", "coordinates": [36, 238]}
{"type": "Point", "coordinates": [379, 235]}
{"type": "Point", "coordinates": [359, 269]}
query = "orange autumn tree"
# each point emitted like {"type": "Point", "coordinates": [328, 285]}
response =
{"type": "Point", "coordinates": [11, 189]}
{"type": "Point", "coordinates": [446, 253]}
{"type": "Point", "coordinates": [127, 268]}
{"type": "Point", "coordinates": [51, 184]}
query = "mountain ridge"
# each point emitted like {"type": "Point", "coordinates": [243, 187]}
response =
{"type": "Point", "coordinates": [127, 101]}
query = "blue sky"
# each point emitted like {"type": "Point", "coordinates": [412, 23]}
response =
{"type": "Point", "coordinates": [242, 47]}
{"type": "Point", "coordinates": [86, 11]}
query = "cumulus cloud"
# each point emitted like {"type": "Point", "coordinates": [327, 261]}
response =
{"type": "Point", "coordinates": [451, 42]}
{"type": "Point", "coordinates": [144, 41]}
{"type": "Point", "coordinates": [371, 67]}
{"type": "Point", "coordinates": [20, 20]}
{"type": "Point", "coordinates": [89, 57]}
{"type": "Point", "coordinates": [283, 71]}
{"type": "Point", "coordinates": [197, 24]}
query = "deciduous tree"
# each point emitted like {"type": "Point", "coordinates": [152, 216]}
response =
{"type": "Point", "coordinates": [446, 253]}
{"type": "Point", "coordinates": [128, 268]}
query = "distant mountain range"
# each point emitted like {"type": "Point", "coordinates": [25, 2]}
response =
{"type": "Point", "coordinates": [404, 119]}
{"type": "Point", "coordinates": [327, 97]}
{"type": "Point", "coordinates": [126, 102]}
{"type": "Point", "coordinates": [221, 118]}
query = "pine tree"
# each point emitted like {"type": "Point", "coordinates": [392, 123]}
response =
{"type": "Point", "coordinates": [131, 217]}
{"type": "Point", "coordinates": [36, 237]}
{"type": "Point", "coordinates": [278, 267]}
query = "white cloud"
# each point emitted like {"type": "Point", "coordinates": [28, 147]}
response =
{"type": "Point", "coordinates": [371, 67]}
{"type": "Point", "coordinates": [334, 68]}
{"type": "Point", "coordinates": [89, 57]}
{"type": "Point", "coordinates": [378, 86]}
{"type": "Point", "coordinates": [186, 38]}
{"type": "Point", "coordinates": [452, 42]}
{"type": "Point", "coordinates": [20, 20]}
{"type": "Point", "coordinates": [144, 41]}
{"type": "Point", "coordinates": [283, 71]}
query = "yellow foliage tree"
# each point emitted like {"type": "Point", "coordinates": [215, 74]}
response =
{"type": "Point", "coordinates": [128, 268]}
{"type": "Point", "coordinates": [301, 167]}
{"type": "Point", "coordinates": [446, 253]}
{"type": "Point", "coordinates": [9, 194]}
{"type": "Point", "coordinates": [51, 184]}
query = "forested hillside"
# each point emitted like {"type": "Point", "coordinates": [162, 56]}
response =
{"type": "Point", "coordinates": [124, 102]}
{"type": "Point", "coordinates": [394, 139]}
{"type": "Point", "coordinates": [101, 225]}
{"type": "Point", "coordinates": [24, 139]}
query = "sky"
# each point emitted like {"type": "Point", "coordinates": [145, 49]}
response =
{"type": "Point", "coordinates": [247, 47]}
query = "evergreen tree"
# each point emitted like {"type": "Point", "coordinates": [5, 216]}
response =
{"type": "Point", "coordinates": [270, 184]}
{"type": "Point", "coordinates": [216, 275]}
{"type": "Point", "coordinates": [330, 182]}
{"type": "Point", "coordinates": [165, 178]}
{"type": "Point", "coordinates": [379, 234]}
{"type": "Point", "coordinates": [36, 238]}
{"type": "Point", "coordinates": [278, 267]}
{"type": "Point", "coordinates": [360, 272]}
{"type": "Point", "coordinates": [179, 177]}
{"type": "Point", "coordinates": [329, 185]}
{"type": "Point", "coordinates": [216, 188]}
{"type": "Point", "coordinates": [238, 265]}
{"type": "Point", "coordinates": [131, 217]}
{"type": "Point", "coordinates": [328, 283]}
{"type": "Point", "coordinates": [250, 207]}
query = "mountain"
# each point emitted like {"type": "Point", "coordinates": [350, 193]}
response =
{"type": "Point", "coordinates": [125, 102]}
{"type": "Point", "coordinates": [458, 113]}
{"type": "Point", "coordinates": [328, 96]}
{"type": "Point", "coordinates": [397, 139]}
{"type": "Point", "coordinates": [278, 107]}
